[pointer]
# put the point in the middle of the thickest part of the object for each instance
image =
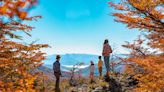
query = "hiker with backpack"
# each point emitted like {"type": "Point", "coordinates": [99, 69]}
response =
{"type": "Point", "coordinates": [106, 54]}
{"type": "Point", "coordinates": [57, 72]}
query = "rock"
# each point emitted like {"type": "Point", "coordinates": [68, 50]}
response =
{"type": "Point", "coordinates": [114, 84]}
{"type": "Point", "coordinates": [80, 90]}
{"type": "Point", "coordinates": [99, 88]}
{"type": "Point", "coordinates": [73, 82]}
{"type": "Point", "coordinates": [85, 85]}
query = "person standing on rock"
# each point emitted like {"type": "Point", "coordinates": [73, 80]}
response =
{"type": "Point", "coordinates": [100, 63]}
{"type": "Point", "coordinates": [57, 72]}
{"type": "Point", "coordinates": [92, 68]}
{"type": "Point", "coordinates": [106, 54]}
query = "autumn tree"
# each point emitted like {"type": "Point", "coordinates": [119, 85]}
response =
{"type": "Point", "coordinates": [18, 61]}
{"type": "Point", "coordinates": [147, 52]}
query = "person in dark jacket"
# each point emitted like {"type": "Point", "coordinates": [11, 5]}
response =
{"type": "Point", "coordinates": [57, 72]}
{"type": "Point", "coordinates": [106, 53]}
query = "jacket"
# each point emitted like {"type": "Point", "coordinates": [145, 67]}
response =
{"type": "Point", "coordinates": [100, 63]}
{"type": "Point", "coordinates": [92, 68]}
{"type": "Point", "coordinates": [106, 50]}
{"type": "Point", "coordinates": [56, 67]}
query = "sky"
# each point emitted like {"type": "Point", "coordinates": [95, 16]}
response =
{"type": "Point", "coordinates": [78, 26]}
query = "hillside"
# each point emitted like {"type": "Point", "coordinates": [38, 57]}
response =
{"type": "Point", "coordinates": [72, 59]}
{"type": "Point", "coordinates": [114, 83]}
{"type": "Point", "coordinates": [81, 81]}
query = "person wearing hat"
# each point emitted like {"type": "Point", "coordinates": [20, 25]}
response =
{"type": "Point", "coordinates": [57, 72]}
{"type": "Point", "coordinates": [92, 68]}
{"type": "Point", "coordinates": [106, 54]}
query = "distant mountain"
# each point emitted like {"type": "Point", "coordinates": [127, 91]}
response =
{"type": "Point", "coordinates": [47, 71]}
{"type": "Point", "coordinates": [68, 60]}
{"type": "Point", "coordinates": [71, 59]}
{"type": "Point", "coordinates": [50, 74]}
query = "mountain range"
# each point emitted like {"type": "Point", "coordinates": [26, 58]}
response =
{"type": "Point", "coordinates": [68, 60]}
{"type": "Point", "coordinates": [71, 59]}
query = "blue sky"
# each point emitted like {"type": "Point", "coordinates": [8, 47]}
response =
{"type": "Point", "coordinates": [78, 26]}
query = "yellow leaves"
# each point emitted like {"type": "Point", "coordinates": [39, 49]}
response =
{"type": "Point", "coordinates": [22, 15]}
{"type": "Point", "coordinates": [152, 78]}
{"type": "Point", "coordinates": [18, 90]}
{"type": "Point", "coordinates": [21, 81]}
{"type": "Point", "coordinates": [118, 6]}
{"type": "Point", "coordinates": [10, 84]}
{"type": "Point", "coordinates": [21, 61]}
{"type": "Point", "coordinates": [17, 60]}
{"type": "Point", "coordinates": [129, 69]}
{"type": "Point", "coordinates": [22, 4]}
{"type": "Point", "coordinates": [157, 14]}
{"type": "Point", "coordinates": [28, 82]}
{"type": "Point", "coordinates": [12, 8]}
{"type": "Point", "coordinates": [3, 9]}
{"type": "Point", "coordinates": [144, 16]}
{"type": "Point", "coordinates": [144, 4]}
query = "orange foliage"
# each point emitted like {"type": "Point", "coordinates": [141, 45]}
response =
{"type": "Point", "coordinates": [18, 62]}
{"type": "Point", "coordinates": [19, 8]}
{"type": "Point", "coordinates": [147, 53]}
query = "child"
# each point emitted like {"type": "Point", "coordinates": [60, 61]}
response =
{"type": "Point", "coordinates": [100, 63]}
{"type": "Point", "coordinates": [92, 67]}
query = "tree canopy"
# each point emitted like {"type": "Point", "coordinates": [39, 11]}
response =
{"type": "Point", "coordinates": [18, 61]}
{"type": "Point", "coordinates": [147, 52]}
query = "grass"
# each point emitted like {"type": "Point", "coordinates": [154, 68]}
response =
{"type": "Point", "coordinates": [85, 82]}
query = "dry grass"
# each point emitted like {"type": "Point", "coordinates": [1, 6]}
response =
{"type": "Point", "coordinates": [65, 87]}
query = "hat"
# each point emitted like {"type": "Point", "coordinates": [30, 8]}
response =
{"type": "Point", "coordinates": [58, 56]}
{"type": "Point", "coordinates": [91, 62]}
